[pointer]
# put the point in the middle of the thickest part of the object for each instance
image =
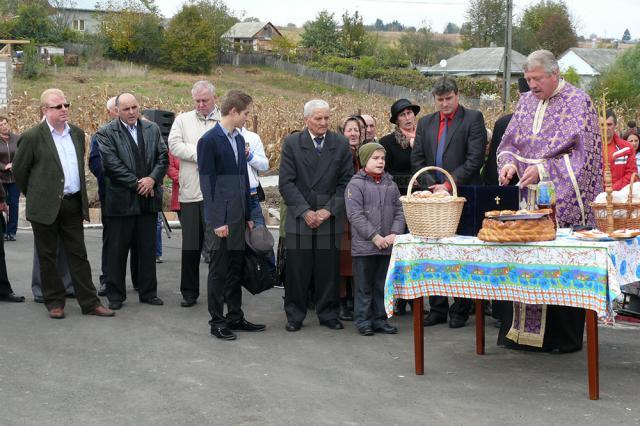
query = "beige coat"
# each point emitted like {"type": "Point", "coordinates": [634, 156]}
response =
{"type": "Point", "coordinates": [187, 129]}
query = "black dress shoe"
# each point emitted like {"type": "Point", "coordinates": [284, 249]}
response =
{"type": "Point", "coordinates": [244, 325]}
{"type": "Point", "coordinates": [366, 331]}
{"type": "Point", "coordinates": [345, 315]}
{"type": "Point", "coordinates": [70, 295]}
{"type": "Point", "coordinates": [456, 322]}
{"type": "Point", "coordinates": [188, 302]}
{"type": "Point", "coordinates": [38, 299]}
{"type": "Point", "coordinates": [102, 291]}
{"type": "Point", "coordinates": [386, 329]}
{"type": "Point", "coordinates": [333, 324]}
{"type": "Point", "coordinates": [11, 297]}
{"type": "Point", "coordinates": [115, 305]}
{"type": "Point", "coordinates": [153, 301]}
{"type": "Point", "coordinates": [223, 333]}
{"type": "Point", "coordinates": [434, 318]}
{"type": "Point", "coordinates": [293, 326]}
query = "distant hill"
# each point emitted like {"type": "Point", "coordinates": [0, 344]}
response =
{"type": "Point", "coordinates": [386, 38]}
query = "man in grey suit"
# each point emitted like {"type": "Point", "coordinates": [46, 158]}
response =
{"type": "Point", "coordinates": [134, 161]}
{"type": "Point", "coordinates": [453, 138]}
{"type": "Point", "coordinates": [49, 169]}
{"type": "Point", "coordinates": [315, 168]}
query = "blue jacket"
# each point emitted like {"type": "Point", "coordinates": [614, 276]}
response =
{"type": "Point", "coordinates": [223, 182]}
{"type": "Point", "coordinates": [95, 165]}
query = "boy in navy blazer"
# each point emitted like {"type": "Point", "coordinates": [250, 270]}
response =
{"type": "Point", "coordinates": [224, 183]}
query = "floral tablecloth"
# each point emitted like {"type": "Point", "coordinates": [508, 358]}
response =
{"type": "Point", "coordinates": [566, 271]}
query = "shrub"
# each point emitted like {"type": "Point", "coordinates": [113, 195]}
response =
{"type": "Point", "coordinates": [33, 67]}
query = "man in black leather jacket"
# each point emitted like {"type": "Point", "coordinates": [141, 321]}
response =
{"type": "Point", "coordinates": [134, 162]}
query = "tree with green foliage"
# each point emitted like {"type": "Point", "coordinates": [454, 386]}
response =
{"type": "Point", "coordinates": [321, 34]}
{"type": "Point", "coordinates": [486, 23]}
{"type": "Point", "coordinates": [620, 82]}
{"type": "Point", "coordinates": [571, 76]}
{"type": "Point", "coordinates": [422, 48]}
{"type": "Point", "coordinates": [545, 25]}
{"type": "Point", "coordinates": [285, 47]}
{"type": "Point", "coordinates": [451, 28]}
{"type": "Point", "coordinates": [626, 37]}
{"type": "Point", "coordinates": [32, 23]}
{"type": "Point", "coordinates": [33, 66]}
{"type": "Point", "coordinates": [391, 57]}
{"type": "Point", "coordinates": [132, 31]}
{"type": "Point", "coordinates": [353, 37]}
{"type": "Point", "coordinates": [192, 39]}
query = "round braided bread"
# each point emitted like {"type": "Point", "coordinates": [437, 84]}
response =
{"type": "Point", "coordinates": [517, 230]}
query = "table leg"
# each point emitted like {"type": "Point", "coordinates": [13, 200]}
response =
{"type": "Point", "coordinates": [417, 308]}
{"type": "Point", "coordinates": [592, 355]}
{"type": "Point", "coordinates": [479, 327]}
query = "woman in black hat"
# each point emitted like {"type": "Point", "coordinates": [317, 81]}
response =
{"type": "Point", "coordinates": [398, 145]}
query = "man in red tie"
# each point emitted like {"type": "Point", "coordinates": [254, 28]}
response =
{"type": "Point", "coordinates": [454, 139]}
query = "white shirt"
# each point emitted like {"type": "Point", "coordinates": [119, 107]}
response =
{"type": "Point", "coordinates": [231, 137]}
{"type": "Point", "coordinates": [257, 160]}
{"type": "Point", "coordinates": [68, 158]}
{"type": "Point", "coordinates": [133, 130]}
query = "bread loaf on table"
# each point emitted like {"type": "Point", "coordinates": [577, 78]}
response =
{"type": "Point", "coordinates": [510, 231]}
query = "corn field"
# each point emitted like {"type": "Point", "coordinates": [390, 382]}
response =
{"type": "Point", "coordinates": [277, 109]}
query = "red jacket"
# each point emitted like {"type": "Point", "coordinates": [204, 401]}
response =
{"type": "Point", "coordinates": [622, 160]}
{"type": "Point", "coordinates": [173, 171]}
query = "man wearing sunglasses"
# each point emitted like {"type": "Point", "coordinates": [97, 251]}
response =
{"type": "Point", "coordinates": [49, 169]}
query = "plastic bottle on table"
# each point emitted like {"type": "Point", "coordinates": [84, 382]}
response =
{"type": "Point", "coordinates": [546, 196]}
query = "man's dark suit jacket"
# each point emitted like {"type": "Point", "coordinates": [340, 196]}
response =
{"type": "Point", "coordinates": [38, 172]}
{"type": "Point", "coordinates": [464, 147]}
{"type": "Point", "coordinates": [119, 168]}
{"type": "Point", "coordinates": [309, 181]}
{"type": "Point", "coordinates": [224, 183]}
{"type": "Point", "coordinates": [490, 172]}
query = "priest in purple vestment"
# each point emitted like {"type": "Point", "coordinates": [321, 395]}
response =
{"type": "Point", "coordinates": [554, 129]}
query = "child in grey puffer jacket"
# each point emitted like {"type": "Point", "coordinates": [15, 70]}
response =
{"type": "Point", "coordinates": [374, 210]}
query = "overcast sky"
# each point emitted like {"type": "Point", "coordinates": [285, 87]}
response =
{"type": "Point", "coordinates": [604, 18]}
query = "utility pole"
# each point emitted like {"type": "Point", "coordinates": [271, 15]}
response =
{"type": "Point", "coordinates": [506, 74]}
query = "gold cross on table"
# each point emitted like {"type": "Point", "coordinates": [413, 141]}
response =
{"type": "Point", "coordinates": [497, 200]}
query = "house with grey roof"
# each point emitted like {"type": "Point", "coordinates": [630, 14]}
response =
{"type": "Point", "coordinates": [487, 62]}
{"type": "Point", "coordinates": [589, 63]}
{"type": "Point", "coordinates": [80, 15]}
{"type": "Point", "coordinates": [255, 36]}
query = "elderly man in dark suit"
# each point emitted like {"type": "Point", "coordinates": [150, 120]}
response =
{"type": "Point", "coordinates": [454, 139]}
{"type": "Point", "coordinates": [315, 168]}
{"type": "Point", "coordinates": [224, 181]}
{"type": "Point", "coordinates": [134, 162]}
{"type": "Point", "coordinates": [49, 169]}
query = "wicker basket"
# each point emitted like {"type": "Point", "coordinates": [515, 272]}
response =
{"type": "Point", "coordinates": [625, 215]}
{"type": "Point", "coordinates": [432, 217]}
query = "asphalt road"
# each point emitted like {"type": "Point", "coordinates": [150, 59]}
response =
{"type": "Point", "coordinates": [159, 365]}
